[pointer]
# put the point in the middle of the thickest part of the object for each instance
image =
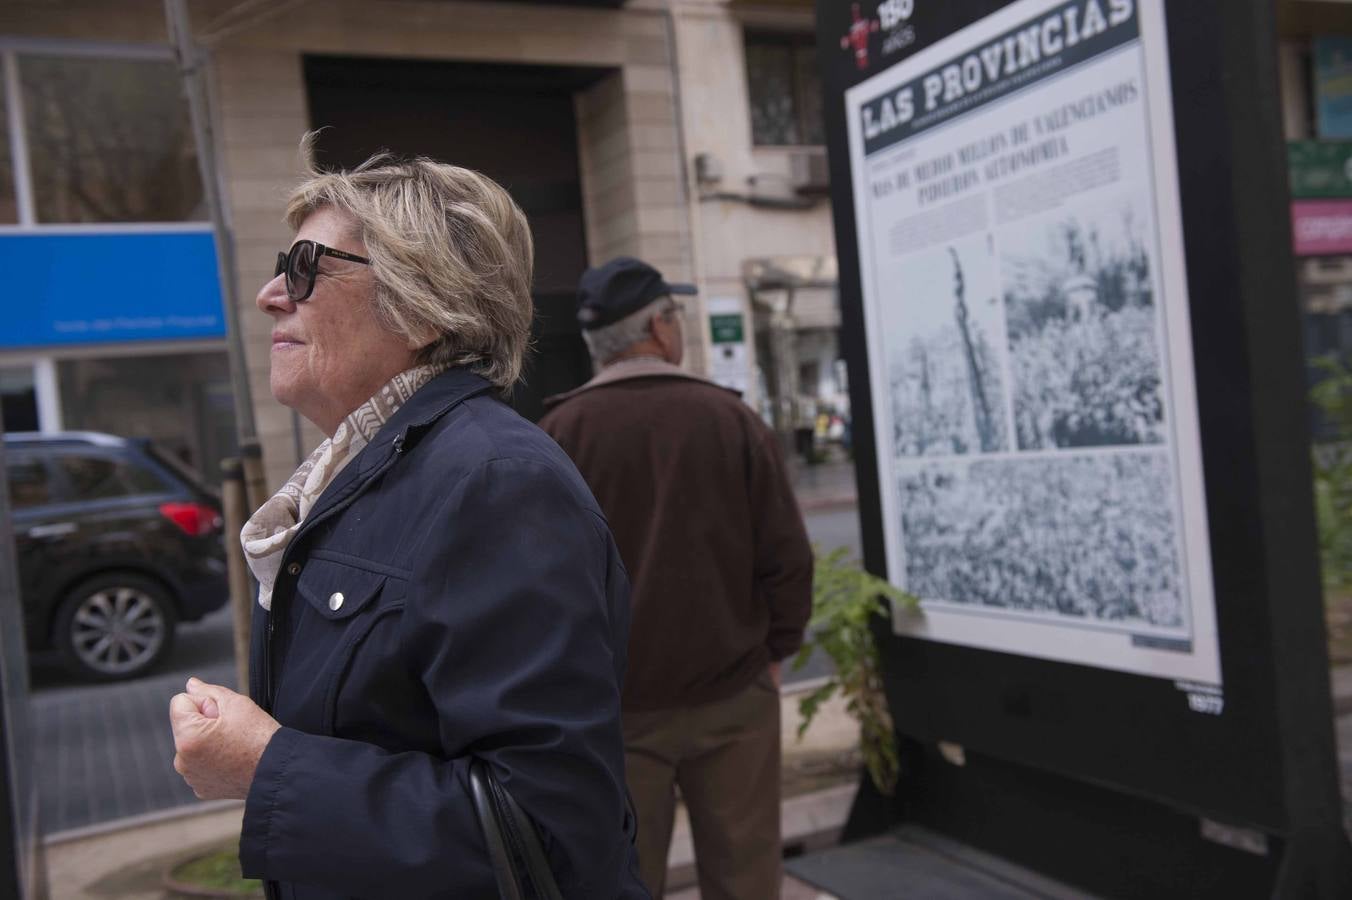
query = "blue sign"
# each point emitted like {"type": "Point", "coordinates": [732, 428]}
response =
{"type": "Point", "coordinates": [101, 288]}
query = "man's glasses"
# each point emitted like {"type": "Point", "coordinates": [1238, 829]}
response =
{"type": "Point", "coordinates": [301, 265]}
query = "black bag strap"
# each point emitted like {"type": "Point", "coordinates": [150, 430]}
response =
{"type": "Point", "coordinates": [527, 843]}
{"type": "Point", "coordinates": [513, 844]}
{"type": "Point", "coordinates": [499, 856]}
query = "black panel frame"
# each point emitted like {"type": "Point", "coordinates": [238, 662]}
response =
{"type": "Point", "coordinates": [22, 861]}
{"type": "Point", "coordinates": [1125, 745]}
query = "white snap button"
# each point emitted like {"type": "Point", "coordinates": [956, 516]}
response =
{"type": "Point", "coordinates": [336, 601]}
{"type": "Point", "coordinates": [293, 569]}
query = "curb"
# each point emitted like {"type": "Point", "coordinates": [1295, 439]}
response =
{"type": "Point", "coordinates": [188, 811]}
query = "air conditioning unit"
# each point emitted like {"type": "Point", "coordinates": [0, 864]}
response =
{"type": "Point", "coordinates": [808, 172]}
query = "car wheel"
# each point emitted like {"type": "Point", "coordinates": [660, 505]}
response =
{"type": "Point", "coordinates": [115, 626]}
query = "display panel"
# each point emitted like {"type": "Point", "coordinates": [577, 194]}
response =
{"type": "Point", "coordinates": [1027, 323]}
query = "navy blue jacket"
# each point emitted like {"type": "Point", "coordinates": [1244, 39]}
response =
{"type": "Point", "coordinates": [485, 613]}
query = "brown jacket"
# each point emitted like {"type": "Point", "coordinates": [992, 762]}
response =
{"type": "Point", "coordinates": [695, 490]}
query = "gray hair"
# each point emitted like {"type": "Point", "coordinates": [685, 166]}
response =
{"type": "Point", "coordinates": [610, 341]}
{"type": "Point", "coordinates": [451, 253]}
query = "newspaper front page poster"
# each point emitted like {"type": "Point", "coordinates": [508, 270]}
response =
{"type": "Point", "coordinates": [1025, 299]}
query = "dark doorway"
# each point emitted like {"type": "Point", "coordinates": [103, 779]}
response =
{"type": "Point", "coordinates": [513, 123]}
{"type": "Point", "coordinates": [19, 398]}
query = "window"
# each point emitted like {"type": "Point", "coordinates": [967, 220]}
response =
{"type": "Point", "coordinates": [9, 205]}
{"type": "Point", "coordinates": [109, 140]}
{"type": "Point", "coordinates": [99, 478]}
{"type": "Point", "coordinates": [190, 416]}
{"type": "Point", "coordinates": [30, 483]}
{"type": "Point", "coordinates": [785, 89]}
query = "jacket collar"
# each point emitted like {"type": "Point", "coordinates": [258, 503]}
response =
{"type": "Point", "coordinates": [428, 404]}
{"type": "Point", "coordinates": [628, 370]}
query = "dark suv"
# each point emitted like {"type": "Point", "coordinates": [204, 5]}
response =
{"type": "Point", "coordinates": [116, 542]}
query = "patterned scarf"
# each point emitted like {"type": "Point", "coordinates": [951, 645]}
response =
{"type": "Point", "coordinates": [268, 532]}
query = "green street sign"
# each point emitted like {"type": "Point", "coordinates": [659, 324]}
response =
{"type": "Point", "coordinates": [726, 328]}
{"type": "Point", "coordinates": [1320, 168]}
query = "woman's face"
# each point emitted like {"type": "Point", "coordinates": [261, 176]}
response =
{"type": "Point", "coordinates": [329, 353]}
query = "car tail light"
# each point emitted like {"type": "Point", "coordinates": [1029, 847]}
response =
{"type": "Point", "coordinates": [193, 519]}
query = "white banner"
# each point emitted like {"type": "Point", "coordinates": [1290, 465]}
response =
{"type": "Point", "coordinates": [1021, 252]}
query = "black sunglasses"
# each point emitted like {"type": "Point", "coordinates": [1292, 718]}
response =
{"type": "Point", "coordinates": [301, 265]}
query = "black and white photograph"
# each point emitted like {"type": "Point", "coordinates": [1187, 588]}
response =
{"type": "Point", "coordinates": [1080, 538]}
{"type": "Point", "coordinates": [1027, 322]}
{"type": "Point", "coordinates": [946, 373]}
{"type": "Point", "coordinates": [1082, 326]}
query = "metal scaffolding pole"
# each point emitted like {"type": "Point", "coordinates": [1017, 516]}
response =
{"type": "Point", "coordinates": [239, 499]}
{"type": "Point", "coordinates": [192, 69]}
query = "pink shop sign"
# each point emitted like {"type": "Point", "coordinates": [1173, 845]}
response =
{"type": "Point", "coordinates": [1322, 227]}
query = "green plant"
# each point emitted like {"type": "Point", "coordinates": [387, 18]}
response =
{"type": "Point", "coordinates": [1333, 475]}
{"type": "Point", "coordinates": [845, 600]}
{"type": "Point", "coordinates": [213, 874]}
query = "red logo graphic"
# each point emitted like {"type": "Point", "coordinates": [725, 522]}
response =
{"type": "Point", "coordinates": [857, 36]}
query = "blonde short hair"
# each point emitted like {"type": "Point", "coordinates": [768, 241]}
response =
{"type": "Point", "coordinates": [451, 253]}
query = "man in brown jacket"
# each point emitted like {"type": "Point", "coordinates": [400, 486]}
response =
{"type": "Point", "coordinates": [696, 493]}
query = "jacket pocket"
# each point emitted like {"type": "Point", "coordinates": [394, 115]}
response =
{"type": "Point", "coordinates": [345, 641]}
{"type": "Point", "coordinates": [338, 591]}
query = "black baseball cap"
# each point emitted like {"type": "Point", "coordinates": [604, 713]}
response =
{"type": "Point", "coordinates": [622, 286]}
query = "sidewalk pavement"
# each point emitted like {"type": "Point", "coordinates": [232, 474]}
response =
{"type": "Point", "coordinates": [827, 485]}
{"type": "Point", "coordinates": [126, 859]}
{"type": "Point", "coordinates": [83, 732]}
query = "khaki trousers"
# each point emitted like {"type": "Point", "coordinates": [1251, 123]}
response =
{"type": "Point", "coordinates": [724, 756]}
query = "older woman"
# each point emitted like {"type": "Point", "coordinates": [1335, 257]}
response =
{"type": "Point", "coordinates": [436, 582]}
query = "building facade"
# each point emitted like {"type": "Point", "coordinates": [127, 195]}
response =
{"type": "Point", "coordinates": [686, 132]}
{"type": "Point", "coordinates": [111, 315]}
{"type": "Point", "coordinates": [1315, 57]}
